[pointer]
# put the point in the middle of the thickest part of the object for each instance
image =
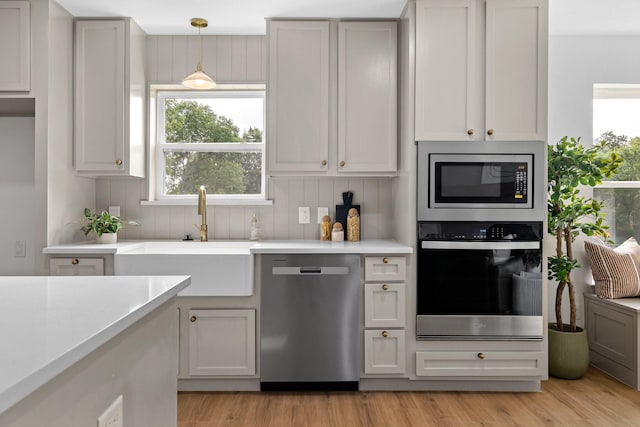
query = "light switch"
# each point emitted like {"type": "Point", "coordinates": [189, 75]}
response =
{"type": "Point", "coordinates": [322, 212]}
{"type": "Point", "coordinates": [304, 216]}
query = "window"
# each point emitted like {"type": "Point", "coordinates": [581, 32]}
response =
{"type": "Point", "coordinates": [212, 138]}
{"type": "Point", "coordinates": [616, 122]}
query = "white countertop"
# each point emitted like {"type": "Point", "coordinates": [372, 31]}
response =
{"type": "Point", "coordinates": [49, 323]}
{"type": "Point", "coordinates": [221, 247]}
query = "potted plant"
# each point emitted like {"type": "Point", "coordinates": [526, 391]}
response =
{"type": "Point", "coordinates": [103, 224]}
{"type": "Point", "coordinates": [571, 165]}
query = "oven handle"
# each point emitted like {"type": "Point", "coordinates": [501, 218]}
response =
{"type": "Point", "coordinates": [479, 245]}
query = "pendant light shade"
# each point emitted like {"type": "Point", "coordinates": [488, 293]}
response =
{"type": "Point", "coordinates": [199, 79]}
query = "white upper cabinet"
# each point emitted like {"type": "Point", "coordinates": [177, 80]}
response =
{"type": "Point", "coordinates": [481, 70]}
{"type": "Point", "coordinates": [109, 110]}
{"type": "Point", "coordinates": [332, 98]}
{"type": "Point", "coordinates": [298, 96]}
{"type": "Point", "coordinates": [516, 69]}
{"type": "Point", "coordinates": [15, 72]}
{"type": "Point", "coordinates": [367, 96]}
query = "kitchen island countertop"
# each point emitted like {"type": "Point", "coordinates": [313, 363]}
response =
{"type": "Point", "coordinates": [50, 323]}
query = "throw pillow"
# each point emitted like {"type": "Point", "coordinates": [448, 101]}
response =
{"type": "Point", "coordinates": [615, 271]}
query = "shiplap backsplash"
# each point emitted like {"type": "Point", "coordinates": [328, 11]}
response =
{"type": "Point", "coordinates": [238, 59]}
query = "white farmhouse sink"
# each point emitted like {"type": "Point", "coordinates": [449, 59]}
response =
{"type": "Point", "coordinates": [217, 268]}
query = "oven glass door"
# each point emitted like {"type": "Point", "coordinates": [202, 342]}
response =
{"type": "Point", "coordinates": [479, 278]}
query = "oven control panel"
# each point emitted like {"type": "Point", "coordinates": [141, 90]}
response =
{"type": "Point", "coordinates": [456, 230]}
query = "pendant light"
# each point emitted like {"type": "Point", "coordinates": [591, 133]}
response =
{"type": "Point", "coordinates": [199, 80]}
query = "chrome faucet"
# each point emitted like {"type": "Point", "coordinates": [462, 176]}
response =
{"type": "Point", "coordinates": [202, 210]}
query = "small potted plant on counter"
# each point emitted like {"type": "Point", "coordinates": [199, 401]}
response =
{"type": "Point", "coordinates": [571, 165]}
{"type": "Point", "coordinates": [103, 224]}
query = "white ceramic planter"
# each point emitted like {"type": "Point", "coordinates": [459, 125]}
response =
{"type": "Point", "coordinates": [107, 238]}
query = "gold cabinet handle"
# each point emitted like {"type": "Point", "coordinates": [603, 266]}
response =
{"type": "Point", "coordinates": [385, 334]}
{"type": "Point", "coordinates": [118, 162]}
{"type": "Point", "coordinates": [481, 356]}
{"type": "Point", "coordinates": [324, 163]}
{"type": "Point", "coordinates": [385, 287]}
{"type": "Point", "coordinates": [342, 163]}
{"type": "Point", "coordinates": [385, 260]}
{"type": "Point", "coordinates": [193, 318]}
{"type": "Point", "coordinates": [490, 132]}
{"type": "Point", "coordinates": [470, 132]}
{"type": "Point", "coordinates": [75, 261]}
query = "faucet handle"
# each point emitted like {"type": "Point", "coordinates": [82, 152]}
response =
{"type": "Point", "coordinates": [197, 227]}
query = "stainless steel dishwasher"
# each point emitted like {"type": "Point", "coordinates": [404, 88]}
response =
{"type": "Point", "coordinates": [309, 322]}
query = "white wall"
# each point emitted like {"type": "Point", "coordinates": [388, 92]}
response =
{"type": "Point", "coordinates": [239, 59]}
{"type": "Point", "coordinates": [17, 190]}
{"type": "Point", "coordinates": [67, 193]}
{"type": "Point", "coordinates": [575, 64]}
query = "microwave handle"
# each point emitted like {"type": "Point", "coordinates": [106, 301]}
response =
{"type": "Point", "coordinates": [479, 245]}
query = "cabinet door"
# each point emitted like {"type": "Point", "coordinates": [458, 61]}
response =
{"type": "Point", "coordinates": [516, 69]}
{"type": "Point", "coordinates": [298, 96]}
{"type": "Point", "coordinates": [445, 70]}
{"type": "Point", "coordinates": [100, 96]}
{"type": "Point", "coordinates": [367, 97]}
{"type": "Point", "coordinates": [384, 305]}
{"type": "Point", "coordinates": [15, 72]}
{"type": "Point", "coordinates": [222, 342]}
{"type": "Point", "coordinates": [480, 363]}
{"type": "Point", "coordinates": [384, 352]}
{"type": "Point", "coordinates": [76, 267]}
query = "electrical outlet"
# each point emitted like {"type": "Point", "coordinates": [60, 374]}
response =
{"type": "Point", "coordinates": [322, 212]}
{"type": "Point", "coordinates": [114, 210]}
{"type": "Point", "coordinates": [20, 248]}
{"type": "Point", "coordinates": [304, 217]}
{"type": "Point", "coordinates": [112, 416]}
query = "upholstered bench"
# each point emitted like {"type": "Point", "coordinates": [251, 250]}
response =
{"type": "Point", "coordinates": [612, 328]}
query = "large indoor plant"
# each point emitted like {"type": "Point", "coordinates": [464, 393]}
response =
{"type": "Point", "coordinates": [103, 224]}
{"type": "Point", "coordinates": [571, 165]}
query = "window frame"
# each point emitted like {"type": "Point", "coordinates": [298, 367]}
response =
{"type": "Point", "coordinates": [160, 146]}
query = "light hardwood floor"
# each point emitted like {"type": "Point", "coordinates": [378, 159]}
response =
{"type": "Point", "coordinates": [595, 400]}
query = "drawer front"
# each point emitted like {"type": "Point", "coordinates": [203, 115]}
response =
{"type": "Point", "coordinates": [480, 363]}
{"type": "Point", "coordinates": [612, 333]}
{"type": "Point", "coordinates": [384, 305]}
{"type": "Point", "coordinates": [384, 351]}
{"type": "Point", "coordinates": [385, 269]}
{"type": "Point", "coordinates": [76, 267]}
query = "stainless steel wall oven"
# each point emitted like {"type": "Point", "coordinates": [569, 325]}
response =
{"type": "Point", "coordinates": [479, 280]}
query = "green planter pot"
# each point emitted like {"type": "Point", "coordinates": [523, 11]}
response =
{"type": "Point", "coordinates": [568, 353]}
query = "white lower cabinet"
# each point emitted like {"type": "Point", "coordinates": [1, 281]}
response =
{"type": "Point", "coordinates": [76, 267]}
{"type": "Point", "coordinates": [222, 342]}
{"type": "Point", "coordinates": [480, 363]}
{"type": "Point", "coordinates": [384, 305]}
{"type": "Point", "coordinates": [384, 351]}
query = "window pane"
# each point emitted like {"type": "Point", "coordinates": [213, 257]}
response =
{"type": "Point", "coordinates": [220, 173]}
{"type": "Point", "coordinates": [214, 119]}
{"type": "Point", "coordinates": [622, 208]}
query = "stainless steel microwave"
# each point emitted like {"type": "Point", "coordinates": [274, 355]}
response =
{"type": "Point", "coordinates": [480, 181]}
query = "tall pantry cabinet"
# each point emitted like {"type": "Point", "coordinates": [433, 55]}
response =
{"type": "Point", "coordinates": [481, 70]}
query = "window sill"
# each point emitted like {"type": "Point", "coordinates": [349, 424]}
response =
{"type": "Point", "coordinates": [210, 202]}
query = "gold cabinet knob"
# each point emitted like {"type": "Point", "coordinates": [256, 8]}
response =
{"type": "Point", "coordinates": [385, 334]}
{"type": "Point", "coordinates": [342, 163]}
{"type": "Point", "coordinates": [324, 163]}
{"type": "Point", "coordinates": [490, 132]}
{"type": "Point", "coordinates": [480, 355]}
{"type": "Point", "coordinates": [75, 261]}
{"type": "Point", "coordinates": [118, 162]}
{"type": "Point", "coordinates": [385, 260]}
{"type": "Point", "coordinates": [470, 132]}
{"type": "Point", "coordinates": [385, 287]}
{"type": "Point", "coordinates": [193, 318]}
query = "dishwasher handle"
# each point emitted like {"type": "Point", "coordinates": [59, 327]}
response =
{"type": "Point", "coordinates": [309, 271]}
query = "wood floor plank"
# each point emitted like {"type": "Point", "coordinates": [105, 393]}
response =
{"type": "Point", "coordinates": [595, 400]}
